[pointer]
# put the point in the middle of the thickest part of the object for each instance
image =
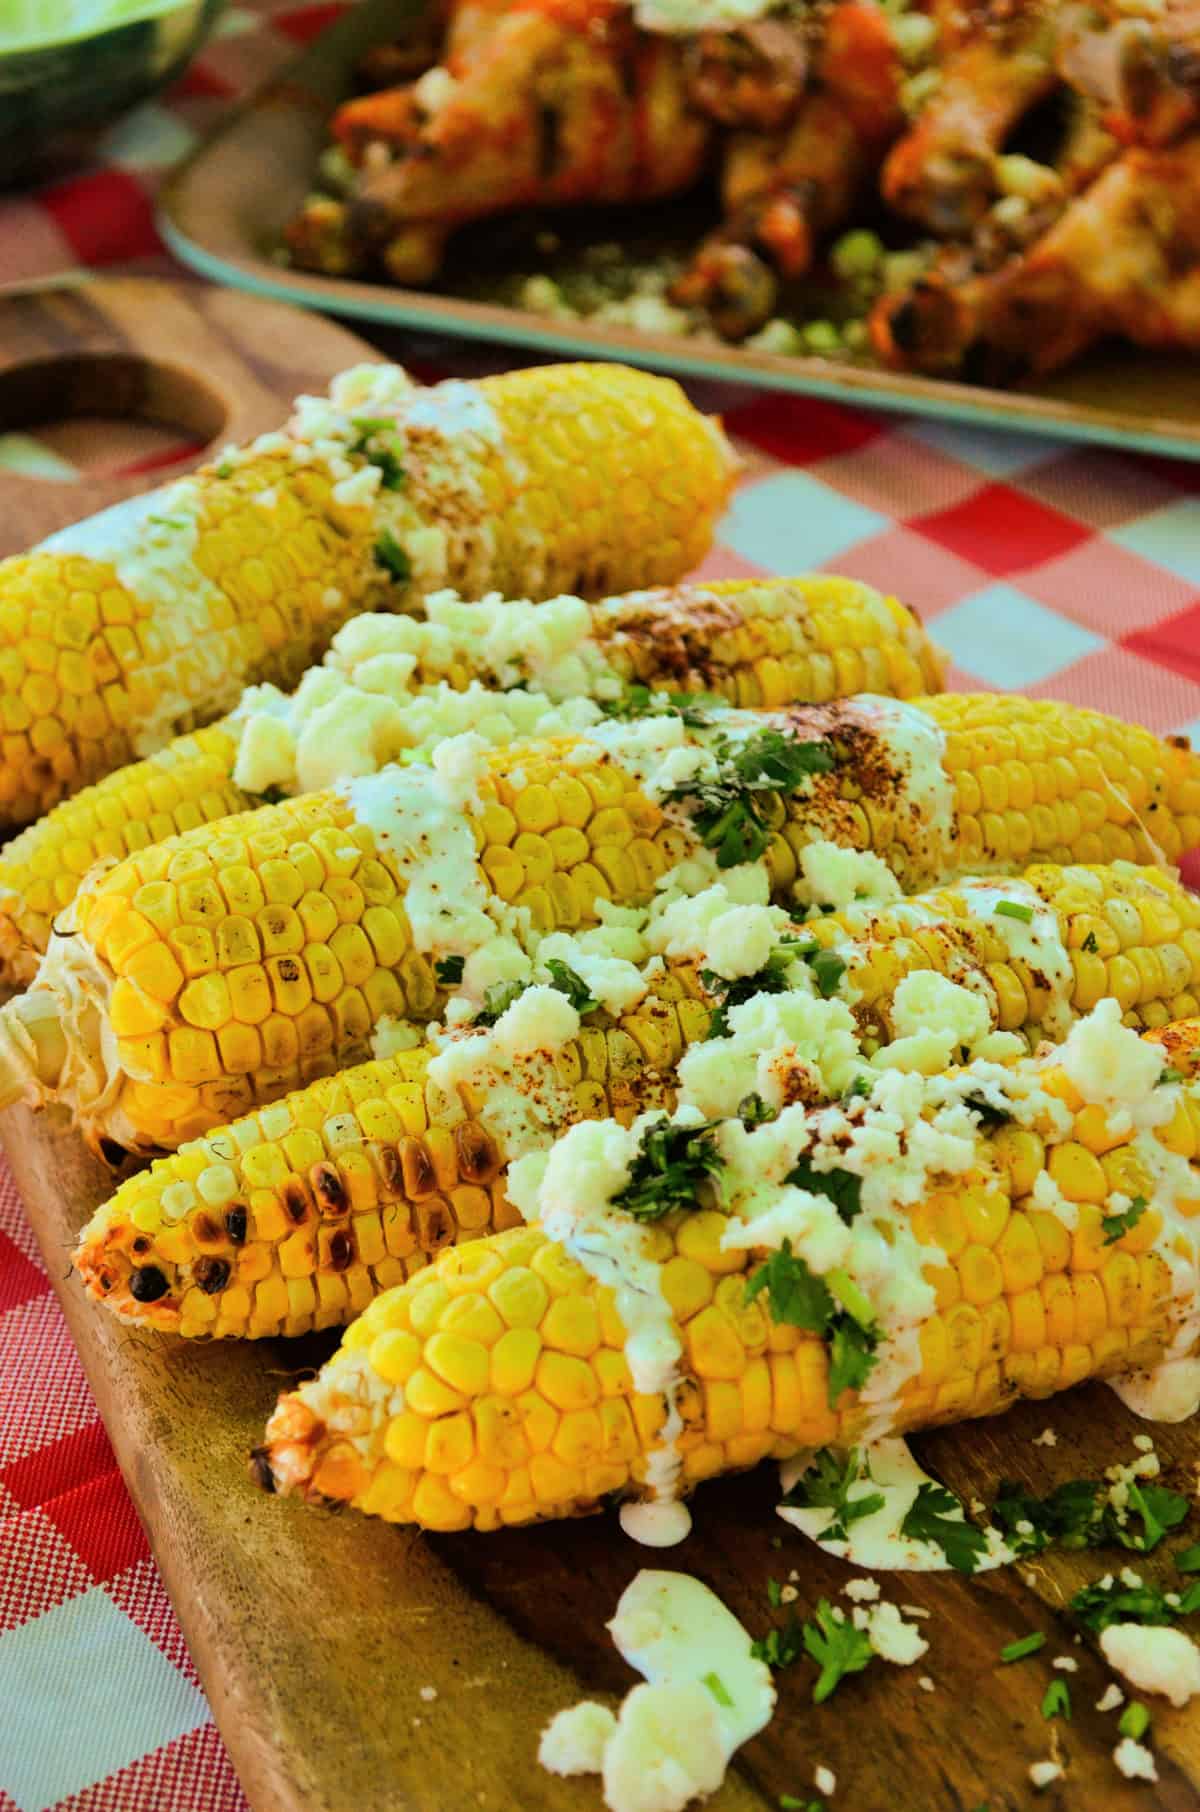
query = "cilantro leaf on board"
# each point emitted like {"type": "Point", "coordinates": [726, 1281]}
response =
{"type": "Point", "coordinates": [837, 1648]}
{"type": "Point", "coordinates": [825, 1485]}
{"type": "Point", "coordinates": [937, 1516]}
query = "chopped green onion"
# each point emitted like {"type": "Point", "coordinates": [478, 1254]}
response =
{"type": "Point", "coordinates": [1056, 1702]}
{"type": "Point", "coordinates": [1025, 1645]}
{"type": "Point", "coordinates": [1012, 909]}
{"type": "Point", "coordinates": [718, 1689]}
{"type": "Point", "coordinates": [1134, 1721]}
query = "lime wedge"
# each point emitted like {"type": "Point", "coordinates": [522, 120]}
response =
{"type": "Point", "coordinates": [38, 24]}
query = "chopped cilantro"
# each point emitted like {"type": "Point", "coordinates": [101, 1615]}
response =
{"type": "Point", "coordinates": [1114, 1226]}
{"type": "Point", "coordinates": [718, 1689]}
{"type": "Point", "coordinates": [837, 1648]}
{"type": "Point", "coordinates": [801, 1299]}
{"type": "Point", "coordinates": [1013, 909]}
{"type": "Point", "coordinates": [391, 556]}
{"type": "Point", "coordinates": [1023, 1646]}
{"type": "Point", "coordinates": [1188, 1559]}
{"type": "Point", "coordinates": [772, 978]}
{"type": "Point", "coordinates": [937, 1516]}
{"type": "Point", "coordinates": [497, 1000]}
{"type": "Point", "coordinates": [1056, 1702]}
{"type": "Point", "coordinates": [449, 970]}
{"type": "Point", "coordinates": [789, 1803]}
{"type": "Point", "coordinates": [1096, 1606]}
{"type": "Point", "coordinates": [175, 522]}
{"type": "Point", "coordinates": [727, 814]}
{"type": "Point", "coordinates": [1134, 1721]}
{"type": "Point", "coordinates": [825, 1485]}
{"type": "Point", "coordinates": [1089, 944]}
{"type": "Point", "coordinates": [753, 1111]}
{"type": "Point", "coordinates": [1170, 1074]}
{"type": "Point", "coordinates": [390, 466]}
{"type": "Point", "coordinates": [851, 1356]}
{"type": "Point", "coordinates": [673, 1165]}
{"type": "Point", "coordinates": [1079, 1515]}
{"type": "Point", "coordinates": [694, 708]}
{"type": "Point", "coordinates": [842, 1187]}
{"type": "Point", "coordinates": [860, 1089]}
{"type": "Point", "coordinates": [828, 969]}
{"type": "Point", "coordinates": [775, 1590]}
{"type": "Point", "coordinates": [568, 982]}
{"type": "Point", "coordinates": [989, 1113]}
{"type": "Point", "coordinates": [797, 1297]}
{"type": "Point", "coordinates": [225, 469]}
{"type": "Point", "coordinates": [780, 1647]}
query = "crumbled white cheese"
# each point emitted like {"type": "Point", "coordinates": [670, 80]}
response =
{"type": "Point", "coordinates": [784, 1047]}
{"type": "Point", "coordinates": [824, 1780]}
{"type": "Point", "coordinates": [1111, 1697]}
{"type": "Point", "coordinates": [934, 1019]}
{"type": "Point", "coordinates": [393, 1035]}
{"type": "Point", "coordinates": [833, 876]}
{"type": "Point", "coordinates": [1066, 1664]}
{"type": "Point", "coordinates": [926, 1684]}
{"type": "Point", "coordinates": [1047, 1438]}
{"type": "Point", "coordinates": [614, 983]}
{"type": "Point", "coordinates": [575, 1739]}
{"type": "Point", "coordinates": [891, 1638]}
{"type": "Point", "coordinates": [1134, 1760]}
{"type": "Point", "coordinates": [862, 1591]}
{"type": "Point", "coordinates": [714, 932]}
{"type": "Point", "coordinates": [1164, 1661]}
{"type": "Point", "coordinates": [1043, 1773]}
{"type": "Point", "coordinates": [666, 1749]}
{"type": "Point", "coordinates": [1108, 1062]}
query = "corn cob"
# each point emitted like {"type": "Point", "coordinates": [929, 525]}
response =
{"type": "Point", "coordinates": [373, 1132]}
{"type": "Point", "coordinates": [496, 1388]}
{"type": "Point", "coordinates": [226, 966]}
{"type": "Point", "coordinates": [1124, 933]}
{"type": "Point", "coordinates": [142, 623]}
{"type": "Point", "coordinates": [754, 642]}
{"type": "Point", "coordinates": [298, 1216]}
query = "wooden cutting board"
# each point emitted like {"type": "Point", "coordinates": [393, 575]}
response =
{"type": "Point", "coordinates": [319, 1637]}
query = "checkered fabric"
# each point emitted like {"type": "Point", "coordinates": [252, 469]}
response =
{"type": "Point", "coordinates": [1064, 573]}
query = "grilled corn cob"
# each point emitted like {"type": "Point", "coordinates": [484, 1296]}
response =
{"type": "Point", "coordinates": [242, 1223]}
{"type": "Point", "coordinates": [756, 642]}
{"type": "Point", "coordinates": [498, 1387]}
{"type": "Point", "coordinates": [145, 621]}
{"type": "Point", "coordinates": [224, 967]}
{"type": "Point", "coordinates": [298, 1216]}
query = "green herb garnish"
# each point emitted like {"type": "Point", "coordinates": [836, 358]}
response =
{"type": "Point", "coordinates": [841, 1187]}
{"type": "Point", "coordinates": [780, 1647]}
{"type": "Point", "coordinates": [497, 1000]}
{"type": "Point", "coordinates": [1114, 1226]}
{"type": "Point", "coordinates": [673, 1166]}
{"type": "Point", "coordinates": [1056, 1702]}
{"type": "Point", "coordinates": [1080, 1515]}
{"type": "Point", "coordinates": [753, 1111]}
{"type": "Point", "coordinates": [774, 1591]}
{"type": "Point", "coordinates": [801, 1299]}
{"type": "Point", "coordinates": [391, 556]}
{"type": "Point", "coordinates": [989, 1113]}
{"type": "Point", "coordinates": [385, 459]}
{"type": "Point", "coordinates": [1097, 1606]}
{"type": "Point", "coordinates": [837, 1648]}
{"type": "Point", "coordinates": [1170, 1074]}
{"type": "Point", "coordinates": [1134, 1721]}
{"type": "Point", "coordinates": [717, 1688]}
{"type": "Point", "coordinates": [825, 1485]}
{"type": "Point", "coordinates": [936, 1516]}
{"type": "Point", "coordinates": [449, 970]}
{"type": "Point", "coordinates": [1022, 1647]}
{"type": "Point", "coordinates": [568, 982]}
{"type": "Point", "coordinates": [1188, 1559]}
{"type": "Point", "coordinates": [728, 815]}
{"type": "Point", "coordinates": [694, 708]}
{"type": "Point", "coordinates": [1013, 909]}
{"type": "Point", "coordinates": [797, 1297]}
{"type": "Point", "coordinates": [772, 978]}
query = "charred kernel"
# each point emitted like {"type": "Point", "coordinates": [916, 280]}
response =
{"type": "Point", "coordinates": [140, 1244]}
{"type": "Point", "coordinates": [341, 1251]}
{"type": "Point", "coordinates": [205, 1228]}
{"type": "Point", "coordinates": [147, 1284]}
{"type": "Point", "coordinates": [327, 1181]}
{"type": "Point", "coordinates": [390, 1171]}
{"type": "Point", "coordinates": [435, 1225]}
{"type": "Point", "coordinates": [235, 1225]}
{"type": "Point", "coordinates": [295, 1200]}
{"type": "Point", "coordinates": [420, 1177]}
{"type": "Point", "coordinates": [210, 1275]}
{"type": "Point", "coordinates": [478, 1159]}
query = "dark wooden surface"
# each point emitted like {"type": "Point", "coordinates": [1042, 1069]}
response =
{"type": "Point", "coordinates": [315, 1633]}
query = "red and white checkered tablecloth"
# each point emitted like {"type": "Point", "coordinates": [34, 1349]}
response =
{"type": "Point", "coordinates": [1065, 573]}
